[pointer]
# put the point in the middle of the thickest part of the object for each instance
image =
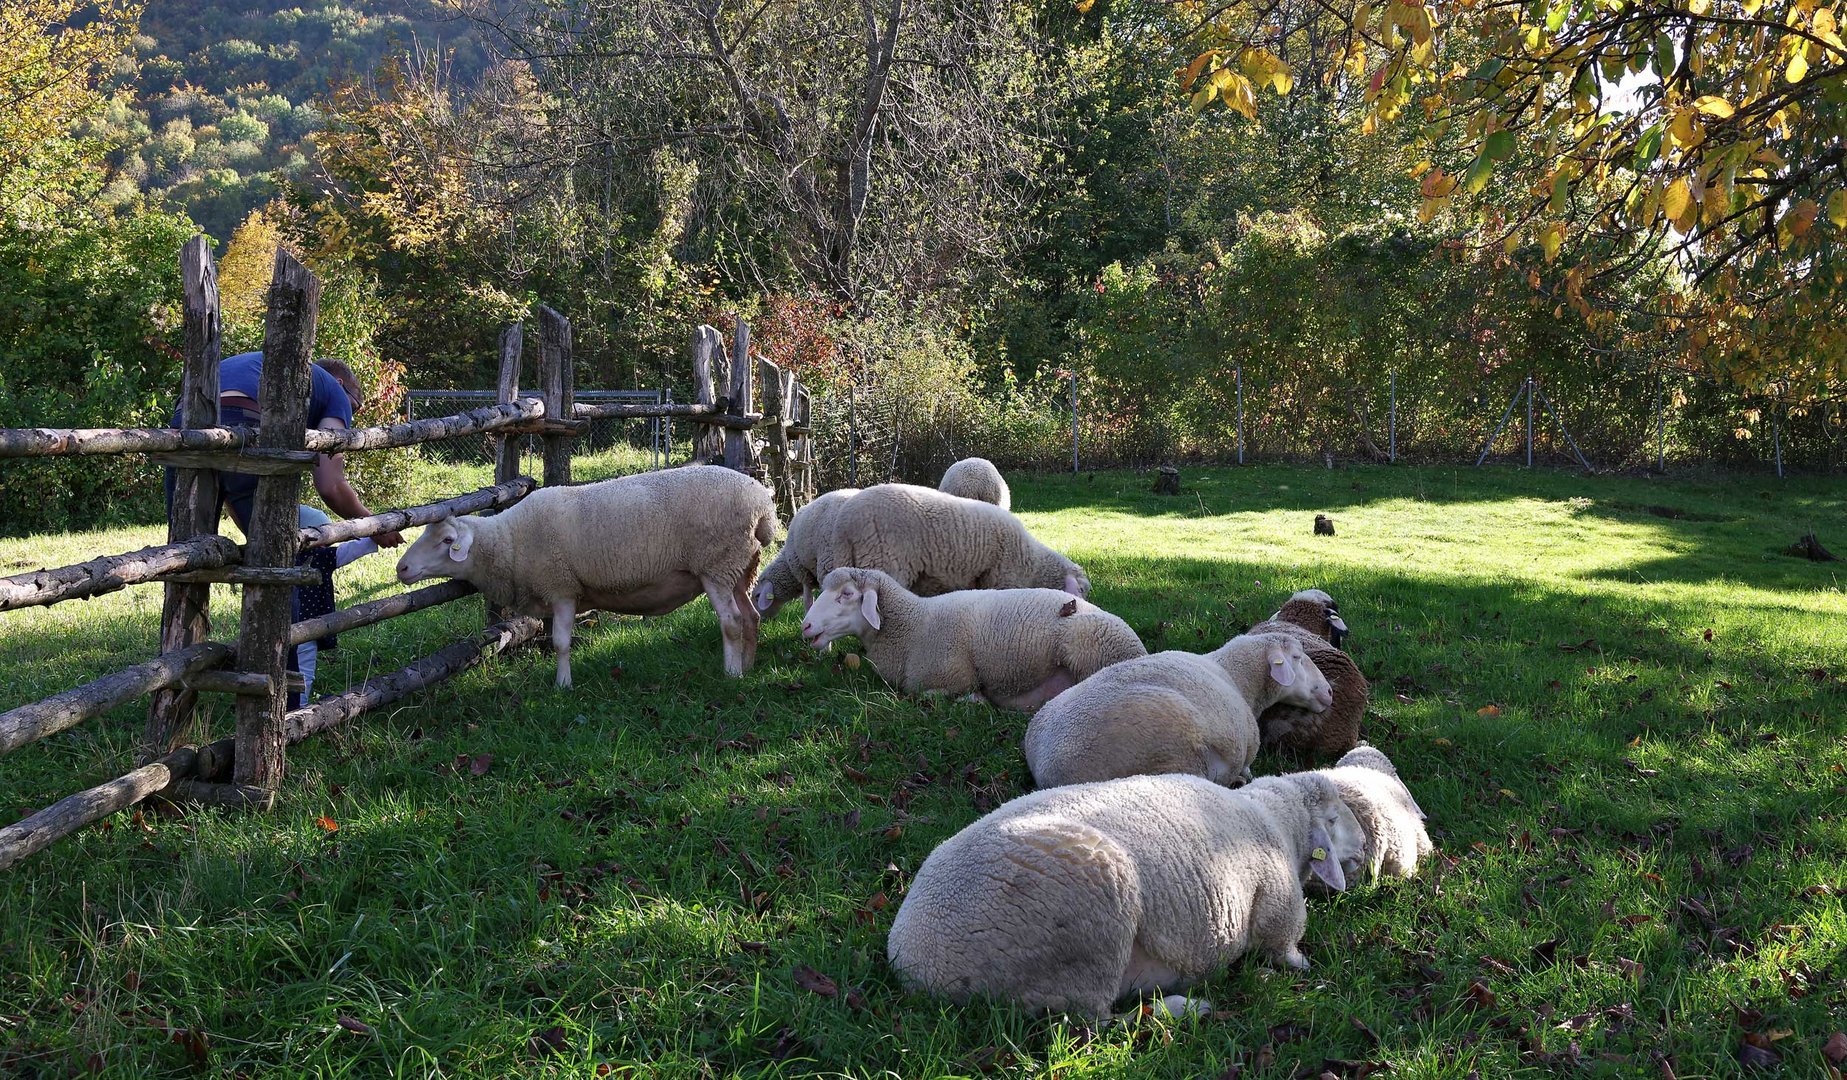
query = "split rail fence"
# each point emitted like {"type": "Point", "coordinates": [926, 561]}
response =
{"type": "Point", "coordinates": [246, 770]}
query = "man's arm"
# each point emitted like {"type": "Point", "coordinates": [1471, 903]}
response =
{"type": "Point", "coordinates": [330, 480]}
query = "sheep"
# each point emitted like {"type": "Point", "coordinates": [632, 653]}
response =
{"type": "Point", "coordinates": [792, 572]}
{"type": "Point", "coordinates": [933, 543]}
{"type": "Point", "coordinates": [1396, 840]}
{"type": "Point", "coordinates": [637, 545]}
{"type": "Point", "coordinates": [976, 478]}
{"type": "Point", "coordinates": [1014, 647]}
{"type": "Point", "coordinates": [1313, 616]}
{"type": "Point", "coordinates": [1066, 899]}
{"type": "Point", "coordinates": [1171, 712]}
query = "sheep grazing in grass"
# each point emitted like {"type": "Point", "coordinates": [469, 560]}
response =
{"type": "Point", "coordinates": [1016, 648]}
{"type": "Point", "coordinates": [976, 478]}
{"type": "Point", "coordinates": [638, 545]}
{"type": "Point", "coordinates": [1313, 616]}
{"type": "Point", "coordinates": [1396, 840]}
{"type": "Point", "coordinates": [933, 543]}
{"type": "Point", "coordinates": [792, 572]}
{"type": "Point", "coordinates": [1172, 712]}
{"type": "Point", "coordinates": [1066, 900]}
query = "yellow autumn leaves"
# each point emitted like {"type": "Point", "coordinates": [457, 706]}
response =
{"type": "Point", "coordinates": [1235, 78]}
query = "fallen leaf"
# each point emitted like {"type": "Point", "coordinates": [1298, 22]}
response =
{"type": "Point", "coordinates": [1835, 1049]}
{"type": "Point", "coordinates": [1708, 634]}
{"type": "Point", "coordinates": [1488, 710]}
{"type": "Point", "coordinates": [1752, 1055]}
{"type": "Point", "coordinates": [852, 661]}
{"type": "Point", "coordinates": [1479, 996]}
{"type": "Point", "coordinates": [354, 1026]}
{"type": "Point", "coordinates": [479, 763]}
{"type": "Point", "coordinates": [327, 823]}
{"type": "Point", "coordinates": [815, 983]}
{"type": "Point", "coordinates": [1635, 920]}
{"type": "Point", "coordinates": [197, 1043]}
{"type": "Point", "coordinates": [1441, 742]}
{"type": "Point", "coordinates": [549, 1041]}
{"type": "Point", "coordinates": [1069, 609]}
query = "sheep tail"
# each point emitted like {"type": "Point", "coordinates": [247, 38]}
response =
{"type": "Point", "coordinates": [766, 527]}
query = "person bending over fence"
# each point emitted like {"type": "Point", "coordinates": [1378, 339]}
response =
{"type": "Point", "coordinates": [313, 601]}
{"type": "Point", "coordinates": [334, 394]}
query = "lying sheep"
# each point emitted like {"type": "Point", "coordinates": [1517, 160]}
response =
{"type": "Point", "coordinates": [638, 545]}
{"type": "Point", "coordinates": [1396, 840]}
{"type": "Point", "coordinates": [1172, 712]}
{"type": "Point", "coordinates": [792, 572]}
{"type": "Point", "coordinates": [932, 543]}
{"type": "Point", "coordinates": [1067, 899]}
{"type": "Point", "coordinates": [976, 478]}
{"type": "Point", "coordinates": [1017, 648]}
{"type": "Point", "coordinates": [1312, 615]}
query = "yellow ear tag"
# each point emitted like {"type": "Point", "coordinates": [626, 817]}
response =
{"type": "Point", "coordinates": [1319, 854]}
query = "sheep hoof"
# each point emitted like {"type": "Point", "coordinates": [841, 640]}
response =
{"type": "Point", "coordinates": [1181, 1007]}
{"type": "Point", "coordinates": [1296, 960]}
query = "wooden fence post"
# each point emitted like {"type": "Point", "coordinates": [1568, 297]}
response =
{"type": "Point", "coordinates": [185, 615]}
{"type": "Point", "coordinates": [708, 361]}
{"type": "Point", "coordinates": [741, 443]}
{"type": "Point", "coordinates": [776, 415]}
{"type": "Point", "coordinates": [507, 447]}
{"type": "Point", "coordinates": [557, 385]}
{"type": "Point", "coordinates": [804, 415]}
{"type": "Point", "coordinates": [263, 636]}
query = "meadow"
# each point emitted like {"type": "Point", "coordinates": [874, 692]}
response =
{"type": "Point", "coordinates": [1623, 707]}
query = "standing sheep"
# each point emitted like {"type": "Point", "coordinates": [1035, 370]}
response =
{"type": "Point", "coordinates": [1312, 616]}
{"type": "Point", "coordinates": [1396, 840]}
{"type": "Point", "coordinates": [976, 478]}
{"type": "Point", "coordinates": [792, 572]}
{"type": "Point", "coordinates": [1014, 647]}
{"type": "Point", "coordinates": [1171, 712]}
{"type": "Point", "coordinates": [637, 545]}
{"type": "Point", "coordinates": [1067, 899]}
{"type": "Point", "coordinates": [932, 543]}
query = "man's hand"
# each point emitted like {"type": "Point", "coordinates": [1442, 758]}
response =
{"type": "Point", "coordinates": [388, 540]}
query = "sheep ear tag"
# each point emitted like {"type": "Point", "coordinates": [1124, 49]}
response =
{"type": "Point", "coordinates": [464, 540]}
{"type": "Point", "coordinates": [869, 607]}
{"type": "Point", "coordinates": [1281, 669]}
{"type": "Point", "coordinates": [1321, 860]}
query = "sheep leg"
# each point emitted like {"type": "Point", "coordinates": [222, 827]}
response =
{"type": "Point", "coordinates": [564, 617]}
{"type": "Point", "coordinates": [748, 611]}
{"type": "Point", "coordinates": [730, 622]}
{"type": "Point", "coordinates": [1278, 925]}
{"type": "Point", "coordinates": [1057, 683]}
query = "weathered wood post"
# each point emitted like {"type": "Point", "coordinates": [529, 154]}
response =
{"type": "Point", "coordinates": [741, 443]}
{"type": "Point", "coordinates": [185, 616]}
{"type": "Point", "coordinates": [804, 415]}
{"type": "Point", "coordinates": [557, 384]}
{"type": "Point", "coordinates": [1391, 431]}
{"type": "Point", "coordinates": [263, 636]}
{"type": "Point", "coordinates": [506, 447]}
{"type": "Point", "coordinates": [776, 415]}
{"type": "Point", "coordinates": [708, 367]}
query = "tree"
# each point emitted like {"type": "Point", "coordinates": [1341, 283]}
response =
{"type": "Point", "coordinates": [54, 56]}
{"type": "Point", "coordinates": [1700, 144]}
{"type": "Point", "coordinates": [243, 278]}
{"type": "Point", "coordinates": [855, 144]}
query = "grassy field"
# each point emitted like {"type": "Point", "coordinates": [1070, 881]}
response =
{"type": "Point", "coordinates": [1622, 707]}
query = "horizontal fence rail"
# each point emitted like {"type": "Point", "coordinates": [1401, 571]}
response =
{"type": "Point", "coordinates": [486, 498]}
{"type": "Point", "coordinates": [112, 572]}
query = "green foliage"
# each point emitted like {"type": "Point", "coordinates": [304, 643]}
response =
{"type": "Point", "coordinates": [89, 329]}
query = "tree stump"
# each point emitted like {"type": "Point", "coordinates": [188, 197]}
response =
{"type": "Point", "coordinates": [1167, 480]}
{"type": "Point", "coordinates": [1810, 548]}
{"type": "Point", "coordinates": [1324, 525]}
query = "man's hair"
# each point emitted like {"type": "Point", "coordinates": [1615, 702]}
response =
{"type": "Point", "coordinates": [344, 375]}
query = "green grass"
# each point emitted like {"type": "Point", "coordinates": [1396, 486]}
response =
{"type": "Point", "coordinates": [1627, 729]}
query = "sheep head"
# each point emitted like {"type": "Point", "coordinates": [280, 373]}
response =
{"type": "Point", "coordinates": [1335, 839]}
{"type": "Point", "coordinates": [1297, 680]}
{"type": "Point", "coordinates": [441, 551]}
{"type": "Point", "coordinates": [1316, 612]}
{"type": "Point", "coordinates": [1076, 582]}
{"type": "Point", "coordinates": [776, 587]}
{"type": "Point", "coordinates": [848, 604]}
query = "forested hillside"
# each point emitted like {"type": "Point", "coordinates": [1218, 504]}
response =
{"type": "Point", "coordinates": [211, 118]}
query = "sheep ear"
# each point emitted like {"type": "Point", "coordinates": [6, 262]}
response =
{"type": "Point", "coordinates": [1071, 585]}
{"type": "Point", "coordinates": [1336, 621]}
{"type": "Point", "coordinates": [464, 539]}
{"type": "Point", "coordinates": [763, 596]}
{"type": "Point", "coordinates": [1281, 669]}
{"type": "Point", "coordinates": [869, 607]}
{"type": "Point", "coordinates": [1321, 860]}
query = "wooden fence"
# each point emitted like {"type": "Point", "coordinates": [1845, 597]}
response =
{"type": "Point", "coordinates": [247, 770]}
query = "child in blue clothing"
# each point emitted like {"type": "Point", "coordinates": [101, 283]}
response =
{"type": "Point", "coordinates": [313, 601]}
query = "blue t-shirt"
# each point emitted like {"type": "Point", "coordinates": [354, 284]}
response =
{"type": "Point", "coordinates": [243, 373]}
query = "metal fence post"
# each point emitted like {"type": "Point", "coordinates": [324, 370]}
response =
{"type": "Point", "coordinates": [1074, 422]}
{"type": "Point", "coordinates": [1391, 430]}
{"type": "Point", "coordinates": [1776, 429]}
{"type": "Point", "coordinates": [1529, 421]}
{"type": "Point", "coordinates": [1238, 373]}
{"type": "Point", "coordinates": [1661, 424]}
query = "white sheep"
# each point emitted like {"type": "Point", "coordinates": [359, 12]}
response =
{"type": "Point", "coordinates": [934, 543]}
{"type": "Point", "coordinates": [1396, 840]}
{"type": "Point", "coordinates": [792, 572]}
{"type": "Point", "coordinates": [1016, 648]}
{"type": "Point", "coordinates": [636, 545]}
{"type": "Point", "coordinates": [976, 478]}
{"type": "Point", "coordinates": [1313, 617]}
{"type": "Point", "coordinates": [1171, 712]}
{"type": "Point", "coordinates": [1066, 899]}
